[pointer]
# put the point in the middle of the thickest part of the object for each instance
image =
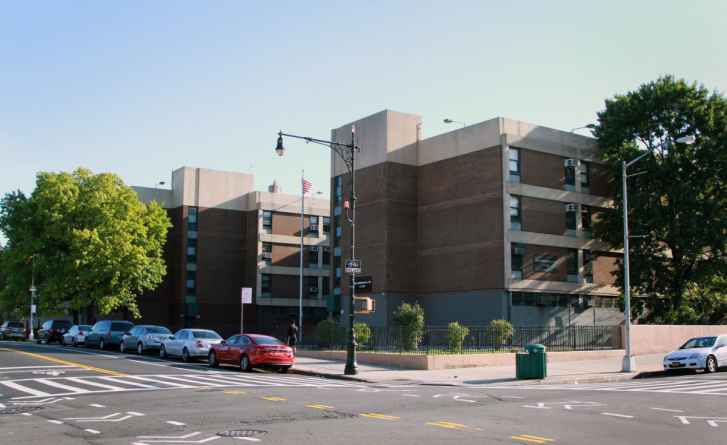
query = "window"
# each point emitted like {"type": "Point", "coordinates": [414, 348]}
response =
{"type": "Point", "coordinates": [573, 266]}
{"type": "Point", "coordinates": [267, 220]}
{"type": "Point", "coordinates": [326, 256]}
{"type": "Point", "coordinates": [192, 215]}
{"type": "Point", "coordinates": [337, 211]}
{"type": "Point", "coordinates": [311, 287]}
{"type": "Point", "coordinates": [190, 284]}
{"type": "Point", "coordinates": [191, 267]}
{"type": "Point", "coordinates": [313, 225]}
{"type": "Point", "coordinates": [268, 253]}
{"type": "Point", "coordinates": [337, 251]}
{"type": "Point", "coordinates": [570, 219]}
{"type": "Point", "coordinates": [326, 224]}
{"type": "Point", "coordinates": [515, 213]}
{"type": "Point", "coordinates": [339, 190]}
{"type": "Point", "coordinates": [570, 177]}
{"type": "Point", "coordinates": [338, 272]}
{"type": "Point", "coordinates": [192, 234]}
{"type": "Point", "coordinates": [586, 219]}
{"type": "Point", "coordinates": [514, 164]}
{"type": "Point", "coordinates": [313, 256]}
{"type": "Point", "coordinates": [587, 266]}
{"type": "Point", "coordinates": [266, 285]}
{"type": "Point", "coordinates": [517, 251]}
{"type": "Point", "coordinates": [191, 251]}
{"type": "Point", "coordinates": [326, 285]}
{"type": "Point", "coordinates": [544, 263]}
{"type": "Point", "coordinates": [338, 231]}
{"type": "Point", "coordinates": [585, 177]}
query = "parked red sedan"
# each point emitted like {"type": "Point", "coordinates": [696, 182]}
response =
{"type": "Point", "coordinates": [252, 350]}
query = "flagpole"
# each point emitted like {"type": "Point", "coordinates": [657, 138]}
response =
{"type": "Point", "coordinates": [300, 293]}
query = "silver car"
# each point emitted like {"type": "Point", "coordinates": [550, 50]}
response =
{"type": "Point", "coordinates": [144, 337]}
{"type": "Point", "coordinates": [189, 344]}
{"type": "Point", "coordinates": [76, 335]}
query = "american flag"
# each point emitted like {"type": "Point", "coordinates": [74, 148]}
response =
{"type": "Point", "coordinates": [307, 185]}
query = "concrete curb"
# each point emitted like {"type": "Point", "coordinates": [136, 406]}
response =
{"type": "Point", "coordinates": [326, 375]}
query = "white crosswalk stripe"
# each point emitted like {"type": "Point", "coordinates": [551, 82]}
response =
{"type": "Point", "coordinates": [676, 386]}
{"type": "Point", "coordinates": [22, 389]}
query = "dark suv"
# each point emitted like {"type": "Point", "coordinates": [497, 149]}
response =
{"type": "Point", "coordinates": [107, 333]}
{"type": "Point", "coordinates": [12, 329]}
{"type": "Point", "coordinates": [53, 330]}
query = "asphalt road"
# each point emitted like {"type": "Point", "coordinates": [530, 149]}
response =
{"type": "Point", "coordinates": [56, 395]}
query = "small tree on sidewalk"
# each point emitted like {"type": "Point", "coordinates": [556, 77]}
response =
{"type": "Point", "coordinates": [501, 332]}
{"type": "Point", "coordinates": [409, 319]}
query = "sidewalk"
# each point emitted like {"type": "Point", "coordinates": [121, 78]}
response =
{"type": "Point", "coordinates": [591, 371]}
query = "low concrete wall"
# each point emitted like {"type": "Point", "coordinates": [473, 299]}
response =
{"type": "Point", "coordinates": [654, 339]}
{"type": "Point", "coordinates": [425, 362]}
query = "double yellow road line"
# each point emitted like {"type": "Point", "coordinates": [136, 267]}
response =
{"type": "Point", "coordinates": [66, 362]}
{"type": "Point", "coordinates": [527, 438]}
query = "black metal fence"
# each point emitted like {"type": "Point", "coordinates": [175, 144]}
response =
{"type": "Point", "coordinates": [440, 340]}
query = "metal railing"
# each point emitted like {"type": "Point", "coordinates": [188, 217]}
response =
{"type": "Point", "coordinates": [439, 340]}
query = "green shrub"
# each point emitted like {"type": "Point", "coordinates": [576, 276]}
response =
{"type": "Point", "coordinates": [409, 319]}
{"type": "Point", "coordinates": [362, 331]}
{"type": "Point", "coordinates": [456, 333]}
{"type": "Point", "coordinates": [329, 334]}
{"type": "Point", "coordinates": [501, 332]}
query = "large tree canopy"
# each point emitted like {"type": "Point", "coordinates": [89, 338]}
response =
{"type": "Point", "coordinates": [677, 200]}
{"type": "Point", "coordinates": [94, 244]}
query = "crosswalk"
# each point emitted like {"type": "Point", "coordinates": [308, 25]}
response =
{"type": "Point", "coordinates": [712, 387]}
{"type": "Point", "coordinates": [22, 389]}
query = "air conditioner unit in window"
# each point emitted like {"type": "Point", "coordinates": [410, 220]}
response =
{"type": "Point", "coordinates": [518, 250]}
{"type": "Point", "coordinates": [313, 228]}
{"type": "Point", "coordinates": [313, 290]}
{"type": "Point", "coordinates": [268, 255]}
{"type": "Point", "coordinates": [570, 163]}
{"type": "Point", "coordinates": [570, 207]}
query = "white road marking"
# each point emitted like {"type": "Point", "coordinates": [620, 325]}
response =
{"type": "Point", "coordinates": [668, 410]}
{"type": "Point", "coordinates": [249, 439]}
{"type": "Point", "coordinates": [57, 422]}
{"type": "Point", "coordinates": [134, 413]}
{"type": "Point", "coordinates": [25, 389]}
{"type": "Point", "coordinates": [97, 405]}
{"type": "Point", "coordinates": [540, 405]}
{"type": "Point", "coordinates": [126, 382]}
{"type": "Point", "coordinates": [26, 414]}
{"type": "Point", "coordinates": [92, 431]}
{"type": "Point", "coordinates": [149, 363]}
{"type": "Point", "coordinates": [186, 436]}
{"type": "Point", "coordinates": [411, 395]}
{"type": "Point", "coordinates": [90, 382]}
{"type": "Point", "coordinates": [711, 421]}
{"type": "Point", "coordinates": [459, 399]}
{"type": "Point", "coordinates": [36, 367]}
{"type": "Point", "coordinates": [2, 406]}
{"type": "Point", "coordinates": [70, 389]}
{"type": "Point", "coordinates": [175, 423]}
{"type": "Point", "coordinates": [511, 397]}
{"type": "Point", "coordinates": [624, 416]}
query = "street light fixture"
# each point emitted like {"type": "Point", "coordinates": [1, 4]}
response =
{"type": "Point", "coordinates": [347, 153]}
{"type": "Point", "coordinates": [629, 362]}
{"type": "Point", "coordinates": [450, 121]}
{"type": "Point", "coordinates": [589, 126]}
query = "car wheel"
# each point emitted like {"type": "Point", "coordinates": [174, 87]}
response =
{"type": "Point", "coordinates": [122, 346]}
{"type": "Point", "coordinates": [163, 352]}
{"type": "Point", "coordinates": [245, 364]}
{"type": "Point", "coordinates": [284, 369]}
{"type": "Point", "coordinates": [711, 364]}
{"type": "Point", "coordinates": [101, 344]}
{"type": "Point", "coordinates": [212, 360]}
{"type": "Point", "coordinates": [185, 355]}
{"type": "Point", "coordinates": [39, 341]}
{"type": "Point", "coordinates": [140, 348]}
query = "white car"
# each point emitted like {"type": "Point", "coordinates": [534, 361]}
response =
{"type": "Point", "coordinates": [189, 344]}
{"type": "Point", "coordinates": [76, 335]}
{"type": "Point", "coordinates": [707, 353]}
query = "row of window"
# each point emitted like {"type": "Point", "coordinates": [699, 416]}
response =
{"type": "Point", "coordinates": [313, 221]}
{"type": "Point", "coordinates": [571, 223]}
{"type": "Point", "coordinates": [548, 263]}
{"type": "Point", "coordinates": [515, 169]}
{"type": "Point", "coordinates": [310, 287]}
{"type": "Point", "coordinates": [191, 282]}
{"type": "Point", "coordinates": [558, 300]}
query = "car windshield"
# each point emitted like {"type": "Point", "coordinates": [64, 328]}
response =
{"type": "Point", "coordinates": [206, 334]}
{"type": "Point", "coordinates": [699, 342]}
{"type": "Point", "coordinates": [265, 340]}
{"type": "Point", "coordinates": [157, 330]}
{"type": "Point", "coordinates": [120, 326]}
{"type": "Point", "coordinates": [84, 328]}
{"type": "Point", "coordinates": [15, 324]}
{"type": "Point", "coordinates": [61, 324]}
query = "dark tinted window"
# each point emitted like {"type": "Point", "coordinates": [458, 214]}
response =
{"type": "Point", "coordinates": [46, 325]}
{"type": "Point", "coordinates": [121, 326]}
{"type": "Point", "coordinates": [15, 324]}
{"type": "Point", "coordinates": [235, 339]}
{"type": "Point", "coordinates": [206, 334]}
{"type": "Point", "coordinates": [84, 328]}
{"type": "Point", "coordinates": [62, 324]}
{"type": "Point", "coordinates": [157, 330]}
{"type": "Point", "coordinates": [264, 340]}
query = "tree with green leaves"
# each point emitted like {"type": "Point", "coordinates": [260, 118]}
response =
{"type": "Point", "coordinates": [409, 319]}
{"type": "Point", "coordinates": [91, 242]}
{"type": "Point", "coordinates": [677, 197]}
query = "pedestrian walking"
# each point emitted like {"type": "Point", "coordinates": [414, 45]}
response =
{"type": "Point", "coordinates": [292, 334]}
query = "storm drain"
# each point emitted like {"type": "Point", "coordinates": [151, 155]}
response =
{"type": "Point", "coordinates": [242, 433]}
{"type": "Point", "coordinates": [18, 410]}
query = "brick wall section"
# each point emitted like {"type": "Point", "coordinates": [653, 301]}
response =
{"type": "Point", "coordinates": [542, 216]}
{"type": "Point", "coordinates": [285, 286]}
{"type": "Point", "coordinates": [460, 223]}
{"type": "Point", "coordinates": [559, 273]}
{"type": "Point", "coordinates": [289, 223]}
{"type": "Point", "coordinates": [541, 169]}
{"type": "Point", "coordinates": [604, 267]}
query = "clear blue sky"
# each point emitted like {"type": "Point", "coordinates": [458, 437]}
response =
{"type": "Point", "coordinates": [140, 88]}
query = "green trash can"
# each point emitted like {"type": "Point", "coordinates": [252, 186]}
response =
{"type": "Point", "coordinates": [532, 364]}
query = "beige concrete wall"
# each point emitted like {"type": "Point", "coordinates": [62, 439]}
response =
{"type": "Point", "coordinates": [148, 194]}
{"type": "Point", "coordinates": [654, 339]}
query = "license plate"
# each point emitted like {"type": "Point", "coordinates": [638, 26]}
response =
{"type": "Point", "coordinates": [676, 365]}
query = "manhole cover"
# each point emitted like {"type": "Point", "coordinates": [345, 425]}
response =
{"type": "Point", "coordinates": [242, 433]}
{"type": "Point", "coordinates": [18, 410]}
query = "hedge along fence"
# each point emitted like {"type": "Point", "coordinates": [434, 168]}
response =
{"type": "Point", "coordinates": [482, 339]}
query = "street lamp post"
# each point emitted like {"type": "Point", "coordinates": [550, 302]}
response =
{"type": "Point", "coordinates": [451, 121]}
{"type": "Point", "coordinates": [33, 290]}
{"type": "Point", "coordinates": [347, 153]}
{"type": "Point", "coordinates": [629, 362]}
